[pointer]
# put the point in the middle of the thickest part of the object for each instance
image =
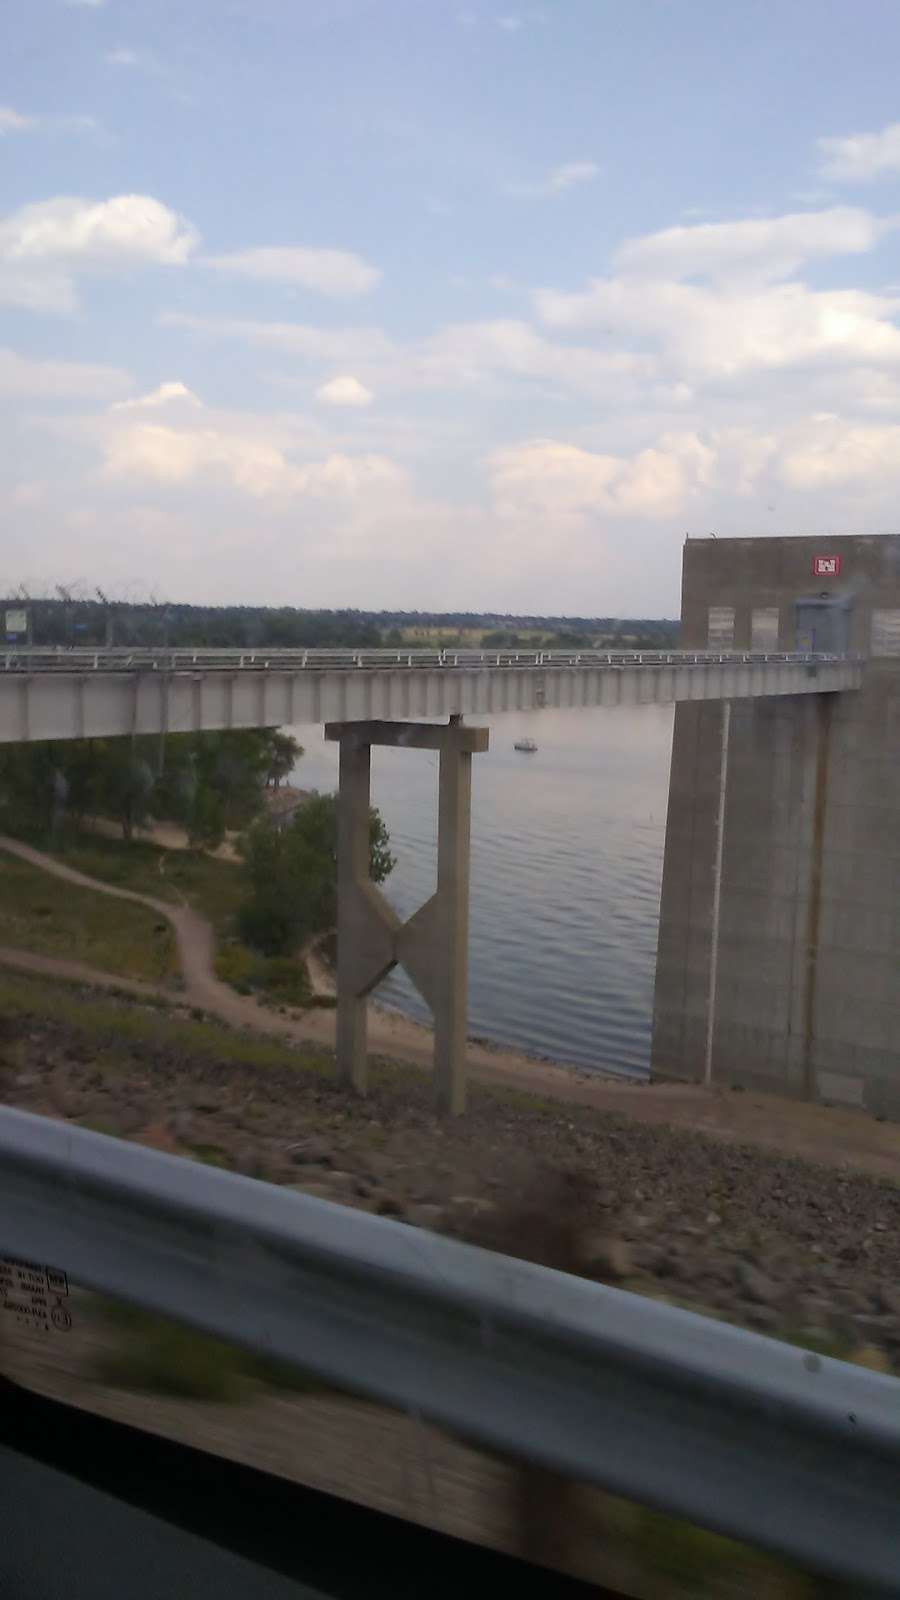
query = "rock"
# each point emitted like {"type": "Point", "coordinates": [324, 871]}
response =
{"type": "Point", "coordinates": [425, 1215]}
{"type": "Point", "coordinates": [608, 1258]}
{"type": "Point", "coordinates": [472, 1203]}
{"type": "Point", "coordinates": [183, 1126]}
{"type": "Point", "coordinates": [869, 1355]}
{"type": "Point", "coordinates": [388, 1205]}
{"type": "Point", "coordinates": [889, 1298]}
{"type": "Point", "coordinates": [755, 1284]}
{"type": "Point", "coordinates": [26, 1080]}
{"type": "Point", "coordinates": [310, 1152]}
{"type": "Point", "coordinates": [207, 1103]}
{"type": "Point", "coordinates": [314, 1191]}
{"type": "Point", "coordinates": [157, 1137]}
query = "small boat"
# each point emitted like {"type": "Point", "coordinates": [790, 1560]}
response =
{"type": "Point", "coordinates": [528, 745]}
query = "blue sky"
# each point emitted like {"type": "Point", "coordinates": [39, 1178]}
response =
{"type": "Point", "coordinates": [413, 303]}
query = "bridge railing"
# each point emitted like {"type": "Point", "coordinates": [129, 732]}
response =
{"type": "Point", "coordinates": [75, 659]}
{"type": "Point", "coordinates": [758, 1440]}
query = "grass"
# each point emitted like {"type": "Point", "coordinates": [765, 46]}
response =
{"type": "Point", "coordinates": [214, 887]}
{"type": "Point", "coordinates": [43, 914]}
{"type": "Point", "coordinates": [113, 1029]}
{"type": "Point", "coordinates": [282, 979]}
{"type": "Point", "coordinates": [159, 1356]}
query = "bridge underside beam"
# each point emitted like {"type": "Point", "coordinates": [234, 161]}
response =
{"type": "Point", "coordinates": [104, 704]}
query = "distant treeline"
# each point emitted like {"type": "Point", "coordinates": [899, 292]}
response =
{"type": "Point", "coordinates": [96, 622]}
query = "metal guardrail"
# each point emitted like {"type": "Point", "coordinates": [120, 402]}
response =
{"type": "Point", "coordinates": [769, 1444]}
{"type": "Point", "coordinates": [186, 660]}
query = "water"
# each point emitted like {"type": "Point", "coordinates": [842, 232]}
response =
{"type": "Point", "coordinates": [567, 849]}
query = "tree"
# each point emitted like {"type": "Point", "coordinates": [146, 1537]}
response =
{"type": "Point", "coordinates": [124, 784]}
{"type": "Point", "coordinates": [292, 874]}
{"type": "Point", "coordinates": [284, 753]}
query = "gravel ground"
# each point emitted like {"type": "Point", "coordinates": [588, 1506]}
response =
{"type": "Point", "coordinates": [771, 1242]}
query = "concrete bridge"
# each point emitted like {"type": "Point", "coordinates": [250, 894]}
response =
{"type": "Point", "coordinates": [78, 694]}
{"type": "Point", "coordinates": [376, 697]}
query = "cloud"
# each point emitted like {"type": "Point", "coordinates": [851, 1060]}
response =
{"type": "Point", "coordinates": [861, 157]}
{"type": "Point", "coordinates": [91, 5]}
{"type": "Point", "coordinates": [345, 391]}
{"type": "Point", "coordinates": [14, 121]}
{"type": "Point", "coordinates": [829, 453]}
{"type": "Point", "coordinates": [44, 244]}
{"type": "Point", "coordinates": [338, 347]}
{"type": "Point", "coordinates": [737, 316]}
{"type": "Point", "coordinates": [331, 272]}
{"type": "Point", "coordinates": [702, 332]}
{"type": "Point", "coordinates": [58, 380]}
{"type": "Point", "coordinates": [570, 175]}
{"type": "Point", "coordinates": [156, 453]}
{"type": "Point", "coordinates": [122, 58]}
{"type": "Point", "coordinates": [460, 355]}
{"type": "Point", "coordinates": [509, 24]}
{"type": "Point", "coordinates": [550, 478]}
{"type": "Point", "coordinates": [762, 250]}
{"type": "Point", "coordinates": [164, 395]}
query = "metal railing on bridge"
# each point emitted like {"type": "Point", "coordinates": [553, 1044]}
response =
{"type": "Point", "coordinates": [75, 659]}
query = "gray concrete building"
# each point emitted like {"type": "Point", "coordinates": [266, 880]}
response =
{"type": "Point", "coordinates": [779, 943]}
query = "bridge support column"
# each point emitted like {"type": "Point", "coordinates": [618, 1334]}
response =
{"type": "Point", "coordinates": [433, 944]}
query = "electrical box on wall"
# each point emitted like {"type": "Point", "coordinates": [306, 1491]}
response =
{"type": "Point", "coordinates": [823, 625]}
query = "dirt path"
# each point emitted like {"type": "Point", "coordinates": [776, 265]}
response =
{"type": "Point", "coordinates": [834, 1136]}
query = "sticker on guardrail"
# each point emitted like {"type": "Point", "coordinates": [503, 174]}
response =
{"type": "Point", "coordinates": [35, 1297]}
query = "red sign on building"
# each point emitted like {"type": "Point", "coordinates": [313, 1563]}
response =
{"type": "Point", "coordinates": [826, 566]}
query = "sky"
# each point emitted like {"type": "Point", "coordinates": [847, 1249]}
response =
{"type": "Point", "coordinates": [438, 304]}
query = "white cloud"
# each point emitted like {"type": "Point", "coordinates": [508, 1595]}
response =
{"type": "Point", "coordinates": [332, 272]}
{"type": "Point", "coordinates": [122, 57]}
{"type": "Point", "coordinates": [546, 477]}
{"type": "Point", "coordinates": [758, 249]}
{"type": "Point", "coordinates": [460, 355]}
{"type": "Point", "coordinates": [509, 24]}
{"type": "Point", "coordinates": [570, 175]}
{"type": "Point", "coordinates": [861, 157]}
{"type": "Point", "coordinates": [164, 395]}
{"type": "Point", "coordinates": [155, 453]}
{"type": "Point", "coordinates": [87, 4]}
{"type": "Point", "coordinates": [828, 453]}
{"type": "Point", "coordinates": [722, 333]}
{"type": "Point", "coordinates": [43, 244]}
{"type": "Point", "coordinates": [345, 391]}
{"type": "Point", "coordinates": [58, 380]}
{"type": "Point", "coordinates": [14, 121]}
{"type": "Point", "coordinates": [742, 318]}
{"type": "Point", "coordinates": [338, 347]}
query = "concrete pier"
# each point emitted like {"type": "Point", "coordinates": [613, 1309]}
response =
{"type": "Point", "coordinates": [433, 944]}
{"type": "Point", "coordinates": [778, 963]}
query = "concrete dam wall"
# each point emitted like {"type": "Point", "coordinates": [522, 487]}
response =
{"type": "Point", "coordinates": [779, 944]}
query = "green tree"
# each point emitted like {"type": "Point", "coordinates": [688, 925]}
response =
{"type": "Point", "coordinates": [283, 754]}
{"type": "Point", "coordinates": [292, 874]}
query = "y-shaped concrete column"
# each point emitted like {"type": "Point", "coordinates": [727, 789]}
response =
{"type": "Point", "coordinates": [433, 944]}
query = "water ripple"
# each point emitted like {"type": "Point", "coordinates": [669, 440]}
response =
{"type": "Point", "coordinates": [567, 849]}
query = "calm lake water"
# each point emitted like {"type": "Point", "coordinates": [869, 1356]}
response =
{"type": "Point", "coordinates": [567, 849]}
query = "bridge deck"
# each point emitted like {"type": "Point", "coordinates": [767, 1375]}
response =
{"type": "Point", "coordinates": [73, 694]}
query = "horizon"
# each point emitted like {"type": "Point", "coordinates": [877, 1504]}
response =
{"type": "Point", "coordinates": [464, 306]}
